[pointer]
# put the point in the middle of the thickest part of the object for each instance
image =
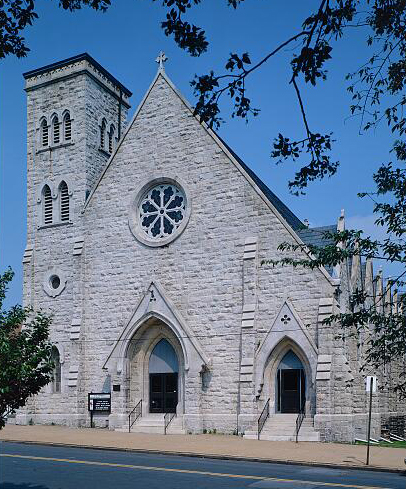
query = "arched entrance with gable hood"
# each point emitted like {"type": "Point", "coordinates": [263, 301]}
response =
{"type": "Point", "coordinates": [288, 379]}
{"type": "Point", "coordinates": [133, 359]}
{"type": "Point", "coordinates": [156, 369]}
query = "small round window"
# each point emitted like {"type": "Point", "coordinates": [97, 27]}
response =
{"type": "Point", "coordinates": [162, 210]}
{"type": "Point", "coordinates": [55, 282]}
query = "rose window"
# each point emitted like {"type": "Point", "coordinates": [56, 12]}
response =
{"type": "Point", "coordinates": [162, 211]}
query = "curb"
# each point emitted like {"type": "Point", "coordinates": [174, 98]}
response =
{"type": "Point", "coordinates": [370, 468]}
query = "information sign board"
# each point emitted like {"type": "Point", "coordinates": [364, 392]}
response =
{"type": "Point", "coordinates": [99, 402]}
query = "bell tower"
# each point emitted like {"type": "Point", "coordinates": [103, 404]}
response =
{"type": "Point", "coordinates": [76, 115]}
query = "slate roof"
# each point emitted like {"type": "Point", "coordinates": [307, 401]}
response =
{"type": "Point", "coordinates": [315, 237]}
{"type": "Point", "coordinates": [310, 236]}
{"type": "Point", "coordinates": [286, 213]}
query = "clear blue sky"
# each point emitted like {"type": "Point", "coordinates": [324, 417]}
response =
{"type": "Point", "coordinates": [126, 41]}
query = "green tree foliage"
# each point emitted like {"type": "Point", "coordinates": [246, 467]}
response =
{"type": "Point", "coordinates": [25, 354]}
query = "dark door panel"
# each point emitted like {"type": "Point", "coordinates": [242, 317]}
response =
{"type": "Point", "coordinates": [290, 390]}
{"type": "Point", "coordinates": [156, 399]}
{"type": "Point", "coordinates": [163, 393]}
{"type": "Point", "coordinates": [171, 392]}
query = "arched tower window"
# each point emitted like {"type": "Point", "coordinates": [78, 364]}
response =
{"type": "Point", "coordinates": [55, 130]}
{"type": "Point", "coordinates": [47, 205]}
{"type": "Point", "coordinates": [64, 201]}
{"type": "Point", "coordinates": [67, 127]}
{"type": "Point", "coordinates": [44, 133]}
{"type": "Point", "coordinates": [56, 379]}
{"type": "Point", "coordinates": [111, 138]}
{"type": "Point", "coordinates": [103, 134]}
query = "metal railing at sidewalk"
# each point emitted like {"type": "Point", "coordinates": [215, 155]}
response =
{"type": "Point", "coordinates": [263, 417]}
{"type": "Point", "coordinates": [134, 415]}
{"type": "Point", "coordinates": [300, 418]}
{"type": "Point", "coordinates": [167, 419]}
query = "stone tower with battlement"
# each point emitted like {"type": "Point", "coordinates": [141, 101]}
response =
{"type": "Point", "coordinates": [76, 114]}
{"type": "Point", "coordinates": [70, 104]}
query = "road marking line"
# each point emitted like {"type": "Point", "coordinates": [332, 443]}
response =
{"type": "Point", "coordinates": [186, 471]}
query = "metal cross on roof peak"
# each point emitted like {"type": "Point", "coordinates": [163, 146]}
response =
{"type": "Point", "coordinates": [161, 60]}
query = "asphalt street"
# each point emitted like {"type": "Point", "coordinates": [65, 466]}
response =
{"type": "Point", "coordinates": [45, 467]}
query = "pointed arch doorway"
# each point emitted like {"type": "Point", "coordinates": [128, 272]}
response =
{"type": "Point", "coordinates": [163, 369]}
{"type": "Point", "coordinates": [290, 384]}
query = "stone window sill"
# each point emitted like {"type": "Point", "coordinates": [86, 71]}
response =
{"type": "Point", "coordinates": [56, 146]}
{"type": "Point", "coordinates": [55, 225]}
{"type": "Point", "coordinates": [103, 151]}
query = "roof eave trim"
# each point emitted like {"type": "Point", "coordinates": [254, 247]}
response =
{"type": "Point", "coordinates": [73, 59]}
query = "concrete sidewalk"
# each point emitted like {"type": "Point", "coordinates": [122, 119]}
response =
{"type": "Point", "coordinates": [226, 446]}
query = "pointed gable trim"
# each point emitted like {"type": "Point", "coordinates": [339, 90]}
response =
{"type": "Point", "coordinates": [156, 303]}
{"type": "Point", "coordinates": [287, 307]}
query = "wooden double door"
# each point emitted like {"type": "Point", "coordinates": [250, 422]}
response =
{"type": "Point", "coordinates": [163, 393]}
{"type": "Point", "coordinates": [291, 390]}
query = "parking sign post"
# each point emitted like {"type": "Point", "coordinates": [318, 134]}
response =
{"type": "Point", "coordinates": [370, 385]}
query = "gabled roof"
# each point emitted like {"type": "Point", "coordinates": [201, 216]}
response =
{"type": "Point", "coordinates": [288, 218]}
{"type": "Point", "coordinates": [283, 210]}
{"type": "Point", "coordinates": [309, 236]}
{"type": "Point", "coordinates": [315, 236]}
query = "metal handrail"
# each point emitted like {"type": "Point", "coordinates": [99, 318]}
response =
{"type": "Point", "coordinates": [300, 418]}
{"type": "Point", "coordinates": [263, 417]}
{"type": "Point", "coordinates": [134, 415]}
{"type": "Point", "coordinates": [167, 419]}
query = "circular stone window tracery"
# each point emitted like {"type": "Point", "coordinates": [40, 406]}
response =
{"type": "Point", "coordinates": [160, 212]}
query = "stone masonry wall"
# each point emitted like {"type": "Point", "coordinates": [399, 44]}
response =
{"type": "Point", "coordinates": [211, 273]}
{"type": "Point", "coordinates": [201, 271]}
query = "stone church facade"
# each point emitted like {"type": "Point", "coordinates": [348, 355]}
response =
{"type": "Point", "coordinates": [145, 241]}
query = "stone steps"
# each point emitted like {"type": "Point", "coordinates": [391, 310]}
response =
{"type": "Point", "coordinates": [155, 424]}
{"type": "Point", "coordinates": [251, 435]}
{"type": "Point", "coordinates": [282, 427]}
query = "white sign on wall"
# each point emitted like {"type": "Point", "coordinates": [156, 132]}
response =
{"type": "Point", "coordinates": [368, 383]}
